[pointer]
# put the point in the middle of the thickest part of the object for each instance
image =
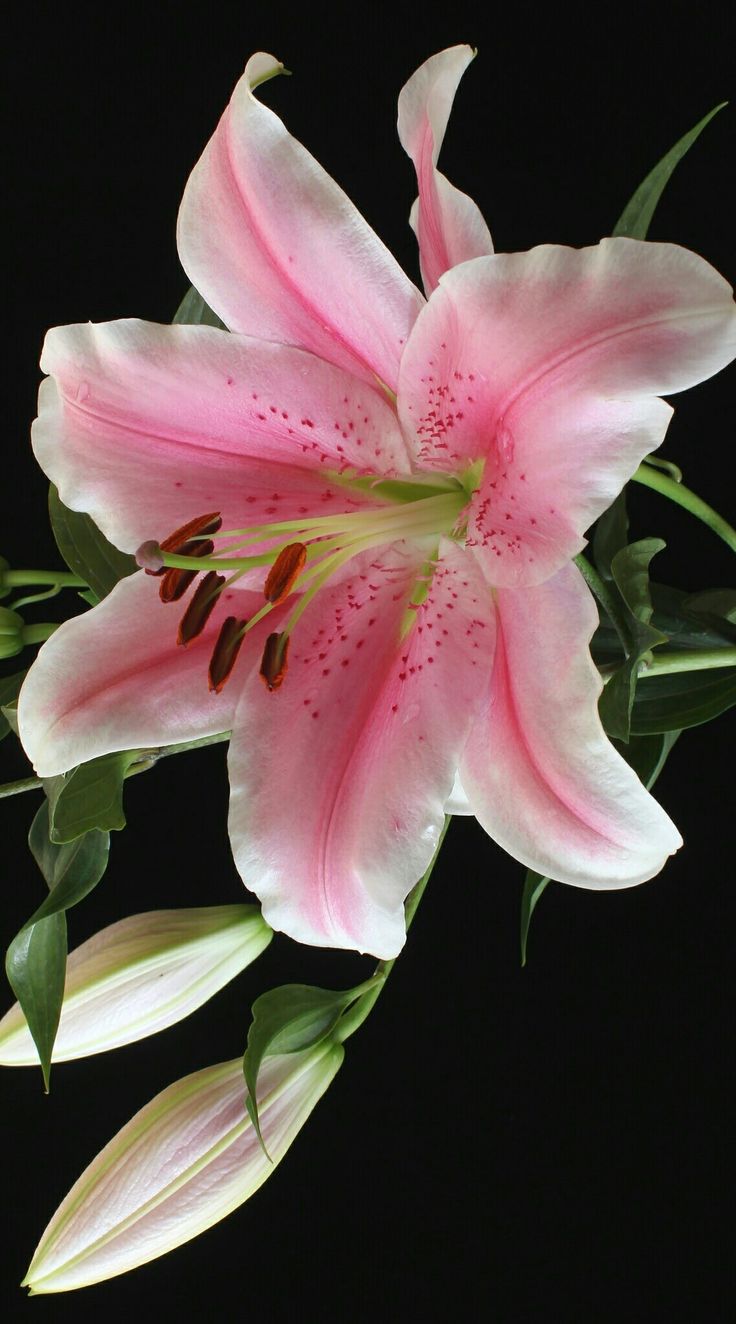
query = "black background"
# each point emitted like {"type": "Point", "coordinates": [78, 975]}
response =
{"type": "Point", "coordinates": [543, 1144]}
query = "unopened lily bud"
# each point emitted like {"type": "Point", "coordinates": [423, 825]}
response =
{"type": "Point", "coordinates": [141, 975]}
{"type": "Point", "coordinates": [185, 1161]}
{"type": "Point", "coordinates": [11, 632]}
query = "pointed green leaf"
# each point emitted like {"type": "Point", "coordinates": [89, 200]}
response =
{"type": "Point", "coordinates": [288, 1019]}
{"type": "Point", "coordinates": [36, 959]}
{"type": "Point", "coordinates": [85, 549]}
{"type": "Point", "coordinates": [534, 886]}
{"type": "Point", "coordinates": [35, 964]}
{"type": "Point", "coordinates": [636, 217]}
{"type": "Point", "coordinates": [630, 573]}
{"type": "Point", "coordinates": [610, 534]}
{"type": "Point", "coordinates": [9, 691]}
{"type": "Point", "coordinates": [193, 311]}
{"type": "Point", "coordinates": [684, 699]}
{"type": "Point", "coordinates": [716, 607]}
{"type": "Point", "coordinates": [90, 796]}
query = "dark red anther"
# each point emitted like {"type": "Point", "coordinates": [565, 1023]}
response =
{"type": "Point", "coordinates": [225, 652]}
{"type": "Point", "coordinates": [178, 540]}
{"type": "Point", "coordinates": [274, 663]}
{"type": "Point", "coordinates": [193, 528]}
{"type": "Point", "coordinates": [200, 607]}
{"type": "Point", "coordinates": [176, 581]}
{"type": "Point", "coordinates": [283, 573]}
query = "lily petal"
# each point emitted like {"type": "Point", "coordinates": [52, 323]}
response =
{"type": "Point", "coordinates": [447, 223]}
{"type": "Point", "coordinates": [146, 426]}
{"type": "Point", "coordinates": [339, 780]}
{"type": "Point", "coordinates": [184, 1162]}
{"type": "Point", "coordinates": [547, 364]}
{"type": "Point", "coordinates": [140, 976]}
{"type": "Point", "coordinates": [114, 679]}
{"type": "Point", "coordinates": [539, 771]}
{"type": "Point", "coordinates": [278, 250]}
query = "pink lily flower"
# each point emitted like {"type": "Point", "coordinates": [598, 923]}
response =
{"type": "Point", "coordinates": [413, 477]}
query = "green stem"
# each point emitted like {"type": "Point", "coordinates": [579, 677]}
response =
{"type": "Point", "coordinates": [354, 1017]}
{"type": "Point", "coordinates": [62, 578]}
{"type": "Point", "coordinates": [26, 784]}
{"type": "Point", "coordinates": [677, 492]}
{"type": "Point", "coordinates": [667, 664]}
{"type": "Point", "coordinates": [705, 659]}
{"type": "Point", "coordinates": [147, 758]}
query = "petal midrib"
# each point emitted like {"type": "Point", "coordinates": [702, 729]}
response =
{"type": "Point", "coordinates": [314, 312]}
{"type": "Point", "coordinates": [584, 347]}
{"type": "Point", "coordinates": [502, 660]}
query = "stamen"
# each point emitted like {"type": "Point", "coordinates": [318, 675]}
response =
{"type": "Point", "coordinates": [225, 652]}
{"type": "Point", "coordinates": [274, 663]}
{"type": "Point", "coordinates": [176, 581]}
{"type": "Point", "coordinates": [200, 607]}
{"type": "Point", "coordinates": [150, 552]}
{"type": "Point", "coordinates": [202, 524]}
{"type": "Point", "coordinates": [283, 573]}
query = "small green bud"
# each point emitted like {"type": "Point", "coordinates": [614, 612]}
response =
{"type": "Point", "coordinates": [11, 630]}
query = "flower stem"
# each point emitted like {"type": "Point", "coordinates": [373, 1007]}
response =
{"type": "Point", "coordinates": [354, 1017]}
{"type": "Point", "coordinates": [60, 578]}
{"type": "Point", "coordinates": [705, 659]}
{"type": "Point", "coordinates": [146, 760]}
{"type": "Point", "coordinates": [660, 482]}
{"type": "Point", "coordinates": [26, 784]}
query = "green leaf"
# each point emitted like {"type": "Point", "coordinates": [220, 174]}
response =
{"type": "Point", "coordinates": [636, 217]}
{"type": "Point", "coordinates": [36, 959]}
{"type": "Point", "coordinates": [90, 796]}
{"type": "Point", "coordinates": [534, 886]}
{"type": "Point", "coordinates": [9, 691]}
{"type": "Point", "coordinates": [630, 573]}
{"type": "Point", "coordinates": [71, 870]}
{"type": "Point", "coordinates": [684, 699]}
{"type": "Point", "coordinates": [85, 549]}
{"type": "Point", "coordinates": [610, 535]}
{"type": "Point", "coordinates": [35, 964]}
{"type": "Point", "coordinates": [717, 607]}
{"type": "Point", "coordinates": [705, 619]}
{"type": "Point", "coordinates": [193, 311]}
{"type": "Point", "coordinates": [286, 1020]}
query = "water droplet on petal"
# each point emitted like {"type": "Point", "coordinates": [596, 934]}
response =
{"type": "Point", "coordinates": [82, 392]}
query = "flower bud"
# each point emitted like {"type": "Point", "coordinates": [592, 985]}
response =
{"type": "Point", "coordinates": [185, 1161]}
{"type": "Point", "coordinates": [141, 975]}
{"type": "Point", "coordinates": [11, 631]}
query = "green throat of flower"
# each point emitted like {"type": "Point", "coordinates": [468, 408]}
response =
{"type": "Point", "coordinates": [302, 556]}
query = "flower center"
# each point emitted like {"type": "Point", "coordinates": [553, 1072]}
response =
{"type": "Point", "coordinates": [302, 555]}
